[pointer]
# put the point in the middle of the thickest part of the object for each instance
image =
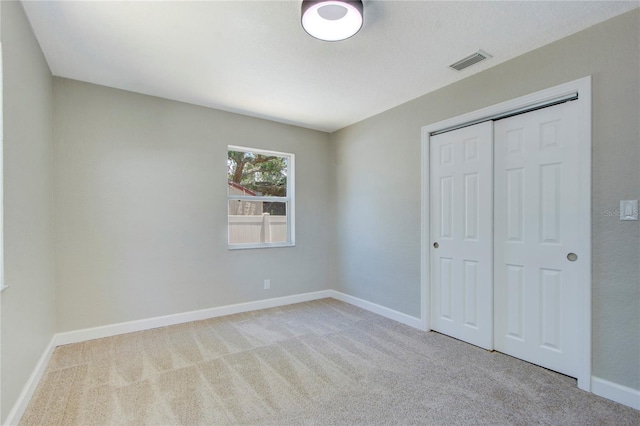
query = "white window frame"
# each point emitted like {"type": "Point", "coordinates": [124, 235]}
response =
{"type": "Point", "coordinates": [289, 200]}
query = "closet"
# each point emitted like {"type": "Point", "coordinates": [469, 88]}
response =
{"type": "Point", "coordinates": [507, 255]}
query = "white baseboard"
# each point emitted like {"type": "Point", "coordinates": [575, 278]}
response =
{"type": "Point", "coordinates": [378, 309]}
{"type": "Point", "coordinates": [615, 392]}
{"type": "Point", "coordinates": [166, 320]}
{"type": "Point", "coordinates": [14, 416]}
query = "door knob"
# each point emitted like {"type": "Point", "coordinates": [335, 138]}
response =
{"type": "Point", "coordinates": [436, 245]}
{"type": "Point", "coordinates": [572, 257]}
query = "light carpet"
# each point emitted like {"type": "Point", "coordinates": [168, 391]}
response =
{"type": "Point", "coordinates": [321, 362]}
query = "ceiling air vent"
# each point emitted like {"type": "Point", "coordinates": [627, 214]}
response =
{"type": "Point", "coordinates": [470, 60]}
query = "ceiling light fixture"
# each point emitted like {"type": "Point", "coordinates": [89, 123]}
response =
{"type": "Point", "coordinates": [332, 20]}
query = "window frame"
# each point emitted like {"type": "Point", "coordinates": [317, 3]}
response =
{"type": "Point", "coordinates": [288, 200]}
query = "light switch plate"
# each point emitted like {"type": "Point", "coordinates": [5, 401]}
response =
{"type": "Point", "coordinates": [628, 209]}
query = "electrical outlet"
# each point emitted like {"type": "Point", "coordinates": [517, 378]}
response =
{"type": "Point", "coordinates": [267, 284]}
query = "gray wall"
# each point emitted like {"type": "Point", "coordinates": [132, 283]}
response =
{"type": "Point", "coordinates": [141, 208]}
{"type": "Point", "coordinates": [377, 249]}
{"type": "Point", "coordinates": [28, 304]}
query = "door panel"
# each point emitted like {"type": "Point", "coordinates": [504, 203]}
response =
{"type": "Point", "coordinates": [462, 226]}
{"type": "Point", "coordinates": [536, 192]}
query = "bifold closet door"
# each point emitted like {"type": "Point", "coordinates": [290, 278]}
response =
{"type": "Point", "coordinates": [461, 229]}
{"type": "Point", "coordinates": [536, 237]}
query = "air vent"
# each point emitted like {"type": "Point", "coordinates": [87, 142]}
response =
{"type": "Point", "coordinates": [470, 60]}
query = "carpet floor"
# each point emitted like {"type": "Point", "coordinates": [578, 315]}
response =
{"type": "Point", "coordinates": [320, 362]}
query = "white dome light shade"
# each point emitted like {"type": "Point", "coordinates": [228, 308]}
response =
{"type": "Point", "coordinates": [331, 20]}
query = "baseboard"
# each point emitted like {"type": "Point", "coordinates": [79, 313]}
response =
{"type": "Point", "coordinates": [167, 320]}
{"type": "Point", "coordinates": [378, 309]}
{"type": "Point", "coordinates": [14, 416]}
{"type": "Point", "coordinates": [615, 392]}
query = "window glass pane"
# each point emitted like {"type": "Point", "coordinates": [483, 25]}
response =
{"type": "Point", "coordinates": [254, 174]}
{"type": "Point", "coordinates": [253, 222]}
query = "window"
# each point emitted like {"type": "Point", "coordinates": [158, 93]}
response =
{"type": "Point", "coordinates": [260, 192]}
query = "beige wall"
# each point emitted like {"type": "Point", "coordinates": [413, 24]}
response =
{"type": "Point", "coordinates": [141, 208]}
{"type": "Point", "coordinates": [28, 304]}
{"type": "Point", "coordinates": [378, 169]}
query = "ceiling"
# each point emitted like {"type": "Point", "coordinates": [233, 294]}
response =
{"type": "Point", "coordinates": [254, 58]}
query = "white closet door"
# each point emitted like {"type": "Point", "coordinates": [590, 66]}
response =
{"type": "Point", "coordinates": [536, 229]}
{"type": "Point", "coordinates": [461, 232]}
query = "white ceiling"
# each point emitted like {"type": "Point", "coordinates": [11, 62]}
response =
{"type": "Point", "coordinates": [254, 58]}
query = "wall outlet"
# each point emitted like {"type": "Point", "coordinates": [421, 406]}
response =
{"type": "Point", "coordinates": [267, 284]}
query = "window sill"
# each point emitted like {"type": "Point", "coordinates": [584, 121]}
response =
{"type": "Point", "coordinates": [259, 246]}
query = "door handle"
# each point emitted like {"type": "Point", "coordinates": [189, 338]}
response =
{"type": "Point", "coordinates": [572, 257]}
{"type": "Point", "coordinates": [436, 245]}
